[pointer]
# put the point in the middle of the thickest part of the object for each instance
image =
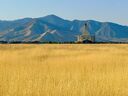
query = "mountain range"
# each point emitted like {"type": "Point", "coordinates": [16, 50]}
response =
{"type": "Point", "coordinates": [52, 28]}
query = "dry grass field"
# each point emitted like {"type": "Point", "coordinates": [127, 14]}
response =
{"type": "Point", "coordinates": [64, 70]}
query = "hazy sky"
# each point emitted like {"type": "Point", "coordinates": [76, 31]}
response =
{"type": "Point", "coordinates": [102, 10]}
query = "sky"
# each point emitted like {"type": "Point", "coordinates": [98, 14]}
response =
{"type": "Point", "coordinates": [100, 10]}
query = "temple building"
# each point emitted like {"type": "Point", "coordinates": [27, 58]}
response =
{"type": "Point", "coordinates": [85, 37]}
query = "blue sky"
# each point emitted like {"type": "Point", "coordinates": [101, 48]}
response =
{"type": "Point", "coordinates": [100, 10]}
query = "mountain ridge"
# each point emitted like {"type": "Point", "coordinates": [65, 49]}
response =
{"type": "Point", "coordinates": [52, 28]}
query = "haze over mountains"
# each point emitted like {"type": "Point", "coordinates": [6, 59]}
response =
{"type": "Point", "coordinates": [55, 29]}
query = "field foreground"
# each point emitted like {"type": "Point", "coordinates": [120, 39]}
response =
{"type": "Point", "coordinates": [63, 70]}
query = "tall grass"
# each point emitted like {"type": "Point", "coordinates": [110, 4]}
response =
{"type": "Point", "coordinates": [63, 70]}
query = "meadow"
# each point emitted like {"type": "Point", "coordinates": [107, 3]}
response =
{"type": "Point", "coordinates": [64, 70]}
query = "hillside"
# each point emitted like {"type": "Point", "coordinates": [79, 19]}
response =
{"type": "Point", "coordinates": [55, 29]}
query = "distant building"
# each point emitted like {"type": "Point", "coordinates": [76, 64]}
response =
{"type": "Point", "coordinates": [85, 37]}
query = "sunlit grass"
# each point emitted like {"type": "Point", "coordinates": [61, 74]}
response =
{"type": "Point", "coordinates": [63, 70]}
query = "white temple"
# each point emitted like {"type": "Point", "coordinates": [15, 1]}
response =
{"type": "Point", "coordinates": [85, 35]}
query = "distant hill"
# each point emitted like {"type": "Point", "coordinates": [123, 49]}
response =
{"type": "Point", "coordinates": [55, 29]}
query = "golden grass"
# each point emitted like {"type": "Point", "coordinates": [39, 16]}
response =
{"type": "Point", "coordinates": [63, 70]}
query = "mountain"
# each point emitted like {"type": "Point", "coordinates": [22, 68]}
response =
{"type": "Point", "coordinates": [55, 29]}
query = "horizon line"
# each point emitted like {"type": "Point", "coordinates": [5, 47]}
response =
{"type": "Point", "coordinates": [20, 18]}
